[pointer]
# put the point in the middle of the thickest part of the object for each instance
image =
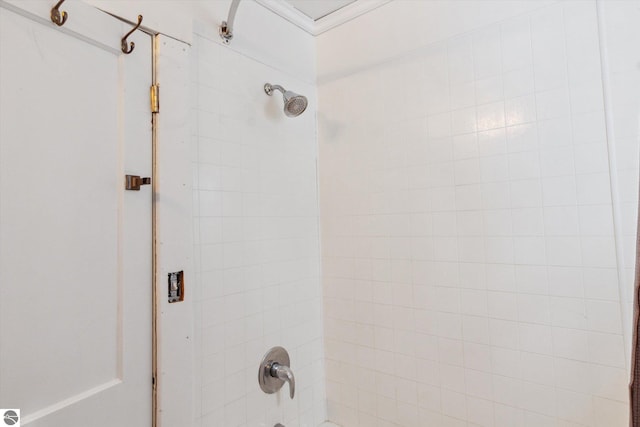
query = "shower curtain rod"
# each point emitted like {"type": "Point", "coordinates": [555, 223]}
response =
{"type": "Point", "coordinates": [226, 28]}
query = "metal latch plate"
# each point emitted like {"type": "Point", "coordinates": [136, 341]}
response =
{"type": "Point", "coordinates": [176, 286]}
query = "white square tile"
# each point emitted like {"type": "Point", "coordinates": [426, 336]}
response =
{"type": "Point", "coordinates": [496, 195]}
{"type": "Point", "coordinates": [516, 44]}
{"type": "Point", "coordinates": [506, 362]}
{"type": "Point", "coordinates": [522, 138]}
{"type": "Point", "coordinates": [502, 305]}
{"type": "Point", "coordinates": [495, 168]}
{"type": "Point", "coordinates": [524, 165]}
{"type": "Point", "coordinates": [593, 188]}
{"type": "Point", "coordinates": [465, 146]}
{"type": "Point", "coordinates": [492, 142]}
{"type": "Point", "coordinates": [564, 251]}
{"type": "Point", "coordinates": [490, 116]}
{"type": "Point", "coordinates": [530, 250]}
{"type": "Point", "coordinates": [462, 95]}
{"type": "Point", "coordinates": [559, 191]}
{"type": "Point", "coordinates": [460, 56]}
{"type": "Point", "coordinates": [572, 374]}
{"type": "Point", "coordinates": [566, 281]}
{"type": "Point", "coordinates": [439, 125]}
{"type": "Point", "coordinates": [471, 276]}
{"type": "Point", "coordinates": [534, 309]}
{"type": "Point", "coordinates": [478, 384]}
{"type": "Point", "coordinates": [555, 133]}
{"type": "Point", "coordinates": [520, 110]}
{"type": "Point", "coordinates": [508, 390]}
{"type": "Point", "coordinates": [606, 349]}
{"type": "Point", "coordinates": [499, 250]}
{"type": "Point", "coordinates": [538, 368]}
{"type": "Point", "coordinates": [604, 316]}
{"type": "Point", "coordinates": [575, 407]}
{"type": "Point", "coordinates": [469, 223]}
{"type": "Point", "coordinates": [561, 221]}
{"type": "Point", "coordinates": [518, 82]}
{"type": "Point", "coordinates": [473, 302]}
{"type": "Point", "coordinates": [539, 398]}
{"type": "Point", "coordinates": [497, 222]}
{"type": "Point", "coordinates": [591, 158]}
{"type": "Point", "coordinates": [503, 333]}
{"type": "Point", "coordinates": [451, 355]}
{"type": "Point", "coordinates": [467, 171]}
{"type": "Point", "coordinates": [536, 338]}
{"type": "Point", "coordinates": [507, 416]}
{"type": "Point", "coordinates": [454, 404]}
{"type": "Point", "coordinates": [598, 252]}
{"type": "Point", "coordinates": [487, 53]}
{"type": "Point", "coordinates": [586, 98]}
{"type": "Point", "coordinates": [589, 128]}
{"type": "Point", "coordinates": [571, 343]}
{"type": "Point", "coordinates": [489, 89]}
{"type": "Point", "coordinates": [557, 162]}
{"type": "Point", "coordinates": [468, 197]}
{"type": "Point", "coordinates": [552, 104]}
{"type": "Point", "coordinates": [610, 412]}
{"type": "Point", "coordinates": [463, 121]}
{"type": "Point", "coordinates": [532, 279]}
{"type": "Point", "coordinates": [609, 382]}
{"type": "Point", "coordinates": [477, 356]}
{"type": "Point", "coordinates": [601, 283]}
{"type": "Point", "coordinates": [527, 222]}
{"type": "Point", "coordinates": [568, 313]}
{"type": "Point", "coordinates": [475, 329]}
{"type": "Point", "coordinates": [526, 193]}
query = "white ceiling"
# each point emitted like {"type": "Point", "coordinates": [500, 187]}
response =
{"type": "Point", "coordinates": [316, 9]}
{"type": "Point", "coordinates": [317, 16]}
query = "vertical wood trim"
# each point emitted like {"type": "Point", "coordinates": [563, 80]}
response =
{"type": "Point", "coordinates": [154, 235]}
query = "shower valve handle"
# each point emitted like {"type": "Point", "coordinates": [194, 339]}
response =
{"type": "Point", "coordinates": [285, 374]}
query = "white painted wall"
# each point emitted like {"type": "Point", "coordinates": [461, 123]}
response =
{"type": "Point", "coordinates": [469, 249]}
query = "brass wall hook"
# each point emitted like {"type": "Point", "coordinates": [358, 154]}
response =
{"type": "Point", "coordinates": [128, 47]}
{"type": "Point", "coordinates": [57, 17]}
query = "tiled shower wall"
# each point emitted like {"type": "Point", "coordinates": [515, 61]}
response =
{"type": "Point", "coordinates": [256, 237]}
{"type": "Point", "coordinates": [469, 256]}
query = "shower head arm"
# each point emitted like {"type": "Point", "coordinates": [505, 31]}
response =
{"type": "Point", "coordinates": [269, 88]}
{"type": "Point", "coordinates": [226, 28]}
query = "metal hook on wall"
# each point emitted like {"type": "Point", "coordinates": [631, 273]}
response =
{"type": "Point", "coordinates": [57, 17]}
{"type": "Point", "coordinates": [128, 47]}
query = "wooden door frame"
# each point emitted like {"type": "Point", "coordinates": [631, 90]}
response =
{"type": "Point", "coordinates": [153, 35]}
{"type": "Point", "coordinates": [173, 324]}
{"type": "Point", "coordinates": [154, 234]}
{"type": "Point", "coordinates": [173, 327]}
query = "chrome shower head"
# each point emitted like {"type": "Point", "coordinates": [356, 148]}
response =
{"type": "Point", "coordinates": [294, 104]}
